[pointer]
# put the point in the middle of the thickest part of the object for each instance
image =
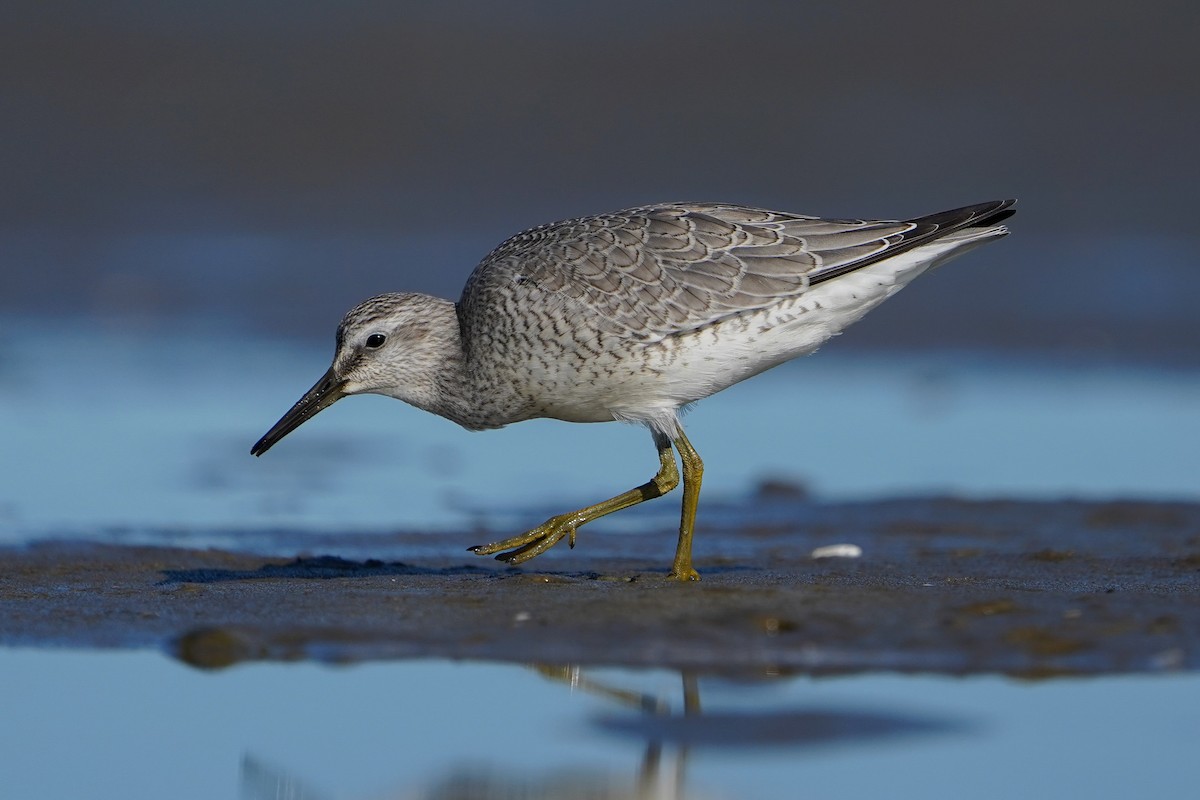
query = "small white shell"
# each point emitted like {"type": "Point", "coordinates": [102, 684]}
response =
{"type": "Point", "coordinates": [837, 551]}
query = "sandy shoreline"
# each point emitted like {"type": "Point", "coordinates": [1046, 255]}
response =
{"type": "Point", "coordinates": [945, 586]}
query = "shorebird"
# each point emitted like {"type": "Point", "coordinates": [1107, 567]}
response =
{"type": "Point", "coordinates": [631, 316]}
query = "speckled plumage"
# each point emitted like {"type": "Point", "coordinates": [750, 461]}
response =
{"type": "Point", "coordinates": [631, 316]}
{"type": "Point", "coordinates": [609, 316]}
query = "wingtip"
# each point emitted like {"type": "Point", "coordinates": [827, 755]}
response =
{"type": "Point", "coordinates": [990, 210]}
{"type": "Point", "coordinates": [1003, 210]}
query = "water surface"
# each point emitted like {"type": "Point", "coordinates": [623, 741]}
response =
{"type": "Point", "coordinates": [134, 725]}
{"type": "Point", "coordinates": [110, 429]}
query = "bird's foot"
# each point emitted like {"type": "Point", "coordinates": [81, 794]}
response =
{"type": "Point", "coordinates": [684, 574]}
{"type": "Point", "coordinates": [533, 542]}
{"type": "Point", "coordinates": [682, 569]}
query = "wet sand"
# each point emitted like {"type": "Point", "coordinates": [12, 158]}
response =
{"type": "Point", "coordinates": [1024, 588]}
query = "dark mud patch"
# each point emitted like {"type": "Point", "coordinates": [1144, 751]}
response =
{"type": "Point", "coordinates": [1031, 589]}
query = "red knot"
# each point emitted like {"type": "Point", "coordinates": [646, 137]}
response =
{"type": "Point", "coordinates": [631, 316]}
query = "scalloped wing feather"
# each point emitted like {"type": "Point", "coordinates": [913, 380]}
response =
{"type": "Point", "coordinates": [658, 271]}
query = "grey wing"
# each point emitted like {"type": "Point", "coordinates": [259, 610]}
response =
{"type": "Point", "coordinates": [657, 271]}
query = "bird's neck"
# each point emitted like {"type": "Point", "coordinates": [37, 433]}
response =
{"type": "Point", "coordinates": [439, 381]}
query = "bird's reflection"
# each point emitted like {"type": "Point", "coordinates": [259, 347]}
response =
{"type": "Point", "coordinates": [669, 733]}
{"type": "Point", "coordinates": [653, 781]}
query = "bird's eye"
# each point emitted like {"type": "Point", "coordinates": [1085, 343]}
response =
{"type": "Point", "coordinates": [375, 341]}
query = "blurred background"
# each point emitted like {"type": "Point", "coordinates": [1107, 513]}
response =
{"type": "Point", "coordinates": [195, 193]}
{"type": "Point", "coordinates": [273, 163]}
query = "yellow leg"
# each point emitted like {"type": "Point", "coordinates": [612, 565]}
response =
{"type": "Point", "coordinates": [543, 537]}
{"type": "Point", "coordinates": [693, 473]}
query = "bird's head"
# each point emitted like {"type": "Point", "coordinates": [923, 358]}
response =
{"type": "Point", "coordinates": [385, 345]}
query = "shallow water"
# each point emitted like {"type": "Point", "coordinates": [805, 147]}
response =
{"type": "Point", "coordinates": [133, 725]}
{"type": "Point", "coordinates": [117, 430]}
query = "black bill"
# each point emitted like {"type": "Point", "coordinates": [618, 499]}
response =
{"type": "Point", "coordinates": [323, 394]}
